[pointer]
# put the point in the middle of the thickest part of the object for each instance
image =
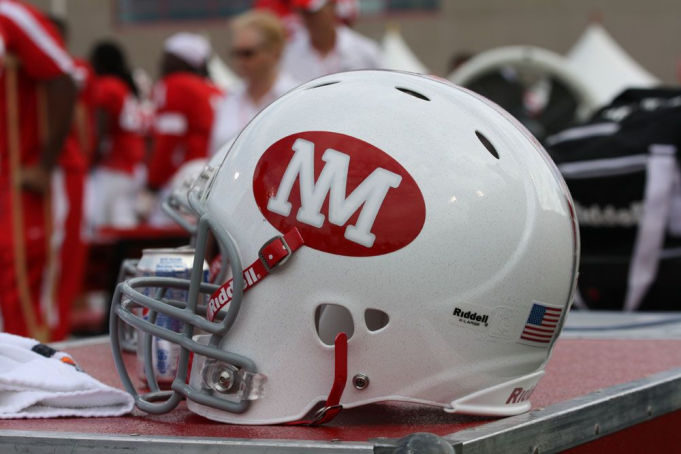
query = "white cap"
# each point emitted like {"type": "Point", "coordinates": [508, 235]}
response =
{"type": "Point", "coordinates": [190, 47]}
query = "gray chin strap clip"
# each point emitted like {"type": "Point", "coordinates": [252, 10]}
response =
{"type": "Point", "coordinates": [230, 382]}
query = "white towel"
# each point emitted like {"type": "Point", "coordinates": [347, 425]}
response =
{"type": "Point", "coordinates": [37, 381]}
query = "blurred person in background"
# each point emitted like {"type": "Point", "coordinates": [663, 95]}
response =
{"type": "Point", "coordinates": [68, 217]}
{"type": "Point", "coordinates": [285, 11]}
{"type": "Point", "coordinates": [119, 149]}
{"type": "Point", "coordinates": [347, 12]}
{"type": "Point", "coordinates": [326, 46]}
{"type": "Point", "coordinates": [37, 98]}
{"type": "Point", "coordinates": [258, 40]}
{"type": "Point", "coordinates": [185, 101]}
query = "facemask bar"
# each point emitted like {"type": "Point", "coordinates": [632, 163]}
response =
{"type": "Point", "coordinates": [188, 313]}
{"type": "Point", "coordinates": [221, 277]}
{"type": "Point", "coordinates": [127, 271]}
{"type": "Point", "coordinates": [173, 207]}
{"type": "Point", "coordinates": [199, 192]}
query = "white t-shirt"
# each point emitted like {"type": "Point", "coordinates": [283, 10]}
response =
{"type": "Point", "coordinates": [238, 109]}
{"type": "Point", "coordinates": [352, 51]}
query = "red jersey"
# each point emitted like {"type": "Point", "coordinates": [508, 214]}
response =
{"type": "Point", "coordinates": [185, 107]}
{"type": "Point", "coordinates": [39, 52]}
{"type": "Point", "coordinates": [80, 143]}
{"type": "Point", "coordinates": [124, 148]}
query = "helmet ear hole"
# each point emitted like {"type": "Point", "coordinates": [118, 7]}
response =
{"type": "Point", "coordinates": [376, 319]}
{"type": "Point", "coordinates": [332, 319]}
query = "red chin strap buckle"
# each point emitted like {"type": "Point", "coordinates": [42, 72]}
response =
{"type": "Point", "coordinates": [332, 406]}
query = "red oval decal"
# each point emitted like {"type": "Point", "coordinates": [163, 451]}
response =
{"type": "Point", "coordinates": [344, 195]}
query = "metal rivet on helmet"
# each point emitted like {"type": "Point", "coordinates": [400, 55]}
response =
{"type": "Point", "coordinates": [360, 381]}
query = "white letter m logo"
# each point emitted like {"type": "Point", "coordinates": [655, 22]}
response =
{"type": "Point", "coordinates": [333, 179]}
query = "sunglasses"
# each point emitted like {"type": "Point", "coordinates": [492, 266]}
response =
{"type": "Point", "coordinates": [245, 53]}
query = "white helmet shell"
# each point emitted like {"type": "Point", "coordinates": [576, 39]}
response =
{"type": "Point", "coordinates": [418, 201]}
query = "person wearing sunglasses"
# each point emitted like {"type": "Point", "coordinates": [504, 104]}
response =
{"type": "Point", "coordinates": [258, 40]}
{"type": "Point", "coordinates": [325, 45]}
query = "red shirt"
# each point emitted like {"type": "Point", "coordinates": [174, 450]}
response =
{"type": "Point", "coordinates": [124, 146]}
{"type": "Point", "coordinates": [36, 45]}
{"type": "Point", "coordinates": [185, 107]}
{"type": "Point", "coordinates": [80, 143]}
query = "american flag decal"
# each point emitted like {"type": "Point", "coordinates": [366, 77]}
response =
{"type": "Point", "coordinates": [541, 325]}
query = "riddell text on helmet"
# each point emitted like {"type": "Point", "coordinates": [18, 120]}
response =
{"type": "Point", "coordinates": [225, 294]}
{"type": "Point", "coordinates": [345, 196]}
{"type": "Point", "coordinates": [519, 395]}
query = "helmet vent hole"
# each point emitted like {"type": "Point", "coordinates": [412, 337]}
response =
{"type": "Point", "coordinates": [413, 93]}
{"type": "Point", "coordinates": [325, 84]}
{"type": "Point", "coordinates": [485, 141]}
{"type": "Point", "coordinates": [376, 319]}
{"type": "Point", "coordinates": [332, 319]}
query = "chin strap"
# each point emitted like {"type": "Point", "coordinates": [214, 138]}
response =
{"type": "Point", "coordinates": [332, 406]}
{"type": "Point", "coordinates": [273, 254]}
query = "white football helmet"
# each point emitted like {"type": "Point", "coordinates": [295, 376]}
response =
{"type": "Point", "coordinates": [412, 215]}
